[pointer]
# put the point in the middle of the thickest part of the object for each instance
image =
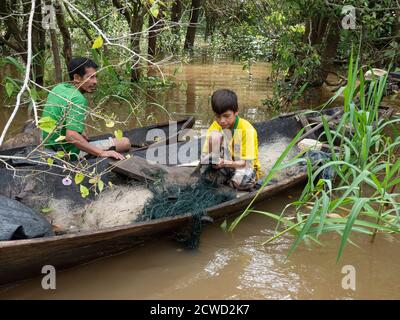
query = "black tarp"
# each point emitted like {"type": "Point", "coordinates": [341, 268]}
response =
{"type": "Point", "coordinates": [17, 221]}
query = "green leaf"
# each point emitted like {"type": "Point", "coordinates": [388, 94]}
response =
{"type": "Point", "coordinates": [47, 124]}
{"type": "Point", "coordinates": [98, 43]}
{"type": "Point", "coordinates": [46, 210]}
{"type": "Point", "coordinates": [358, 205]}
{"type": "Point", "coordinates": [34, 94]}
{"type": "Point", "coordinates": [154, 10]}
{"type": "Point", "coordinates": [60, 154]}
{"type": "Point", "coordinates": [306, 227]}
{"type": "Point", "coordinates": [110, 123]}
{"type": "Point", "coordinates": [100, 185]}
{"type": "Point", "coordinates": [50, 161]}
{"type": "Point", "coordinates": [79, 178]}
{"type": "Point", "coordinates": [60, 138]}
{"type": "Point", "coordinates": [94, 180]}
{"type": "Point", "coordinates": [84, 191]}
{"type": "Point", "coordinates": [118, 134]}
{"type": "Point", "coordinates": [9, 89]}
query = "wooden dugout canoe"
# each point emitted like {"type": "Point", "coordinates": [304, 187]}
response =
{"type": "Point", "coordinates": [22, 259]}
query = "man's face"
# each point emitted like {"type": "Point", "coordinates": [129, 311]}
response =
{"type": "Point", "coordinates": [227, 119]}
{"type": "Point", "coordinates": [87, 83]}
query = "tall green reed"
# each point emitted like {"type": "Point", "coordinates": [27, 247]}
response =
{"type": "Point", "coordinates": [362, 196]}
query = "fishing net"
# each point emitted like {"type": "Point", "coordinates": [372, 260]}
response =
{"type": "Point", "coordinates": [175, 200]}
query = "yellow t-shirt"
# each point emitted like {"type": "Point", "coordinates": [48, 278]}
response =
{"type": "Point", "coordinates": [243, 146]}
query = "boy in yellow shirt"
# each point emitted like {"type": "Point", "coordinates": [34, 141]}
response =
{"type": "Point", "coordinates": [231, 145]}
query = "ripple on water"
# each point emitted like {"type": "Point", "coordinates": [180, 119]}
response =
{"type": "Point", "coordinates": [266, 275]}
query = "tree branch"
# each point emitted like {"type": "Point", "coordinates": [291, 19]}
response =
{"type": "Point", "coordinates": [27, 72]}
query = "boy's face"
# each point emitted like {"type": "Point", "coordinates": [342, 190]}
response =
{"type": "Point", "coordinates": [227, 119]}
{"type": "Point", "coordinates": [87, 83]}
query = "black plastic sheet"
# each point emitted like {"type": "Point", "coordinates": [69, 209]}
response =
{"type": "Point", "coordinates": [17, 221]}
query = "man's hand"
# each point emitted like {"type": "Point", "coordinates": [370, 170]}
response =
{"type": "Point", "coordinates": [112, 154]}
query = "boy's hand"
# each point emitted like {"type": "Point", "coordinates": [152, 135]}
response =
{"type": "Point", "coordinates": [221, 164]}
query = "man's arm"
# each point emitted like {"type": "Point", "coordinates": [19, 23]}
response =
{"type": "Point", "coordinates": [80, 142]}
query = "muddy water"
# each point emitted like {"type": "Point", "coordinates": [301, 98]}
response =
{"type": "Point", "coordinates": [228, 266]}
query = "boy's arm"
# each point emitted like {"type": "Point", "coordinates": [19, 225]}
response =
{"type": "Point", "coordinates": [238, 164]}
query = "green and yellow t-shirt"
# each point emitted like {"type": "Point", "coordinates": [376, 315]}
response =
{"type": "Point", "coordinates": [243, 144]}
{"type": "Point", "coordinates": [67, 106]}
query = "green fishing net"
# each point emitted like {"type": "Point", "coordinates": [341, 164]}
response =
{"type": "Point", "coordinates": [175, 200]}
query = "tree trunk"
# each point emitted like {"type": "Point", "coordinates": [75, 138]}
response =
{"type": "Point", "coordinates": [55, 50]}
{"type": "Point", "coordinates": [154, 26]}
{"type": "Point", "coordinates": [56, 56]}
{"type": "Point", "coordinates": [315, 30]}
{"type": "Point", "coordinates": [176, 14]}
{"type": "Point", "coordinates": [191, 30]}
{"type": "Point", "coordinates": [67, 47]}
{"type": "Point", "coordinates": [79, 25]}
{"type": "Point", "coordinates": [13, 30]}
{"type": "Point", "coordinates": [134, 17]}
{"type": "Point", "coordinates": [38, 44]}
{"type": "Point", "coordinates": [329, 53]}
{"type": "Point", "coordinates": [136, 29]}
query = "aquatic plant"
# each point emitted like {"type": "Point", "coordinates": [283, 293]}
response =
{"type": "Point", "coordinates": [362, 196]}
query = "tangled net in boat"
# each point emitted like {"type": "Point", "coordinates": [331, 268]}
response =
{"type": "Point", "coordinates": [175, 200]}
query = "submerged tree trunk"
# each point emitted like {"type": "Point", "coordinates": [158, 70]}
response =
{"type": "Point", "coordinates": [136, 31]}
{"type": "Point", "coordinates": [191, 30]}
{"type": "Point", "coordinates": [154, 26]}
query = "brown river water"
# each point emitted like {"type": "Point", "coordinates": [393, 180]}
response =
{"type": "Point", "coordinates": [228, 265]}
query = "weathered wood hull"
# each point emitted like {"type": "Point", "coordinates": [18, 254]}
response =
{"type": "Point", "coordinates": [22, 259]}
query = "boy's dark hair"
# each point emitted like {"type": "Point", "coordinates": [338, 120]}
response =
{"type": "Point", "coordinates": [78, 66]}
{"type": "Point", "coordinates": [224, 100]}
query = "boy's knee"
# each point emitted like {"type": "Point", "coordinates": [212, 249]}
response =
{"type": "Point", "coordinates": [123, 144]}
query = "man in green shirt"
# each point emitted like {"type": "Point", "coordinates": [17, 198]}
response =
{"type": "Point", "coordinates": [68, 107]}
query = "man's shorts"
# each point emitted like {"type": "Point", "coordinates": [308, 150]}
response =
{"type": "Point", "coordinates": [105, 144]}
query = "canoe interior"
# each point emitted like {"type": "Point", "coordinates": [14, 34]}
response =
{"type": "Point", "coordinates": [33, 184]}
